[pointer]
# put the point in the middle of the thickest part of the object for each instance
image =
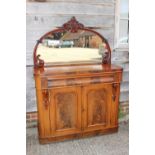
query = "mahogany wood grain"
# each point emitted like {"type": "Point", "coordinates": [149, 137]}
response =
{"type": "Point", "coordinates": [96, 99]}
{"type": "Point", "coordinates": [78, 103]}
{"type": "Point", "coordinates": [76, 100]}
{"type": "Point", "coordinates": [65, 109]}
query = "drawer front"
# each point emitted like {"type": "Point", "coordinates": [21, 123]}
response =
{"type": "Point", "coordinates": [81, 81]}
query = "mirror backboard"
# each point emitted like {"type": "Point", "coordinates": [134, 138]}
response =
{"type": "Point", "coordinates": [68, 47]}
{"type": "Point", "coordinates": [71, 44]}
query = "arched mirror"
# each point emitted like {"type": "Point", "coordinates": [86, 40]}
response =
{"type": "Point", "coordinates": [71, 44]}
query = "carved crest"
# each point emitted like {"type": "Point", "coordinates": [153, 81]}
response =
{"type": "Point", "coordinates": [73, 25]}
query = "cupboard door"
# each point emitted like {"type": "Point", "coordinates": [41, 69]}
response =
{"type": "Point", "coordinates": [96, 106]}
{"type": "Point", "coordinates": [65, 110]}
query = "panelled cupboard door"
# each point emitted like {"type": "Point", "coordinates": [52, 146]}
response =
{"type": "Point", "coordinates": [96, 100]}
{"type": "Point", "coordinates": [65, 110]}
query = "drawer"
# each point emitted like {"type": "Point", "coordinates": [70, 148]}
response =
{"type": "Point", "coordinates": [80, 81]}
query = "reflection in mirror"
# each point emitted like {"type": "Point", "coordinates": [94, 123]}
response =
{"type": "Point", "coordinates": [64, 46]}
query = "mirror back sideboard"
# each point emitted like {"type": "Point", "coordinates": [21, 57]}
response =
{"type": "Point", "coordinates": [77, 87]}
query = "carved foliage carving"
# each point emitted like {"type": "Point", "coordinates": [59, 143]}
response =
{"type": "Point", "coordinates": [106, 58]}
{"type": "Point", "coordinates": [73, 25]}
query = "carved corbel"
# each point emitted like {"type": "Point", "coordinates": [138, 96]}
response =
{"type": "Point", "coordinates": [114, 91]}
{"type": "Point", "coordinates": [46, 98]}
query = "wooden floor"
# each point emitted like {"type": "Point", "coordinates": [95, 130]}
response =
{"type": "Point", "coordinates": [112, 144]}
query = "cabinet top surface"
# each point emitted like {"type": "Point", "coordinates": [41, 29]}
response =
{"type": "Point", "coordinates": [77, 69]}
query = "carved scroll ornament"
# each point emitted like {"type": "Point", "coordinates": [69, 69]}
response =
{"type": "Point", "coordinates": [73, 25]}
{"type": "Point", "coordinates": [40, 62]}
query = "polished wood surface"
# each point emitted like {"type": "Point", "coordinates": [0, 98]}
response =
{"type": "Point", "coordinates": [65, 107]}
{"type": "Point", "coordinates": [96, 108]}
{"type": "Point", "coordinates": [76, 99]}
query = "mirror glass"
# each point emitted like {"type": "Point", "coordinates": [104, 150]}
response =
{"type": "Point", "coordinates": [65, 46]}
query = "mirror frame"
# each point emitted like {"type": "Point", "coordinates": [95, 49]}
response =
{"type": "Point", "coordinates": [73, 26]}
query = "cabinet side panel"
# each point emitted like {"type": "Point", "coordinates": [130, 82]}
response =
{"type": "Point", "coordinates": [43, 112]}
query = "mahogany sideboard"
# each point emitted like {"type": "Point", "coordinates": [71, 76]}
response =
{"type": "Point", "coordinates": [76, 99]}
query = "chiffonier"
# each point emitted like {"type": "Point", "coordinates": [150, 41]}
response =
{"type": "Point", "coordinates": [77, 87]}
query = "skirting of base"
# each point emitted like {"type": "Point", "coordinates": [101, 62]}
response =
{"type": "Point", "coordinates": [77, 136]}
